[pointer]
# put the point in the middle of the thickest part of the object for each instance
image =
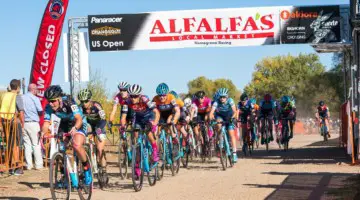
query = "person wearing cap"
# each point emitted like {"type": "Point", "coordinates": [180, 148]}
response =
{"type": "Point", "coordinates": [32, 111]}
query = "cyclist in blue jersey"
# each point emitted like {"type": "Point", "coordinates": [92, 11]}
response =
{"type": "Point", "coordinates": [224, 109]}
{"type": "Point", "coordinates": [267, 109]}
{"type": "Point", "coordinates": [95, 116]}
{"type": "Point", "coordinates": [72, 121]}
{"type": "Point", "coordinates": [145, 113]}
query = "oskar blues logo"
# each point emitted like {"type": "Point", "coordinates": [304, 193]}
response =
{"type": "Point", "coordinates": [56, 9]}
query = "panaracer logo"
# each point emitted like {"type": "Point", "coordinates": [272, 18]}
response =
{"type": "Point", "coordinates": [285, 14]}
{"type": "Point", "coordinates": [106, 20]}
{"type": "Point", "coordinates": [194, 28]}
{"type": "Point", "coordinates": [56, 9]}
{"type": "Point", "coordinates": [106, 31]}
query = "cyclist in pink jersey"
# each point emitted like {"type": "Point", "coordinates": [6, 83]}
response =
{"type": "Point", "coordinates": [203, 105]}
{"type": "Point", "coordinates": [120, 99]}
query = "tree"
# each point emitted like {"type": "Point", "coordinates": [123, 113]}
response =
{"type": "Point", "coordinates": [303, 77]}
{"type": "Point", "coordinates": [210, 86]}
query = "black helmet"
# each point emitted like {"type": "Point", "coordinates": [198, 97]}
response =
{"type": "Point", "coordinates": [53, 92]}
{"type": "Point", "coordinates": [244, 97]}
{"type": "Point", "coordinates": [321, 103]}
{"type": "Point", "coordinates": [200, 94]}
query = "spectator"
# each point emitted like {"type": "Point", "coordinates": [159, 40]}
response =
{"type": "Point", "coordinates": [12, 104]}
{"type": "Point", "coordinates": [32, 111]}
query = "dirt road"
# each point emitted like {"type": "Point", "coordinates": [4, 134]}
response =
{"type": "Point", "coordinates": [310, 170]}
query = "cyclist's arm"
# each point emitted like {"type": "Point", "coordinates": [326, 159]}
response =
{"type": "Point", "coordinates": [113, 112]}
{"type": "Point", "coordinates": [45, 127]}
{"type": "Point", "coordinates": [211, 115]}
{"type": "Point", "coordinates": [157, 115]}
{"type": "Point", "coordinates": [177, 113]}
{"type": "Point", "coordinates": [233, 107]}
{"type": "Point", "coordinates": [78, 121]}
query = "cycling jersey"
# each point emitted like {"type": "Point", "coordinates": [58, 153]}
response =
{"type": "Point", "coordinates": [143, 111]}
{"type": "Point", "coordinates": [67, 111]}
{"type": "Point", "coordinates": [95, 115]}
{"type": "Point", "coordinates": [119, 100]}
{"type": "Point", "coordinates": [168, 105]}
{"type": "Point", "coordinates": [224, 111]}
{"type": "Point", "coordinates": [246, 110]}
{"type": "Point", "coordinates": [202, 107]}
{"type": "Point", "coordinates": [286, 110]}
{"type": "Point", "coordinates": [266, 108]}
{"type": "Point", "coordinates": [323, 111]}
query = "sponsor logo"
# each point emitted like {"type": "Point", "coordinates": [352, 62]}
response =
{"type": "Point", "coordinates": [56, 9]}
{"type": "Point", "coordinates": [106, 31]}
{"type": "Point", "coordinates": [286, 14]}
{"type": "Point", "coordinates": [97, 20]}
{"type": "Point", "coordinates": [192, 28]}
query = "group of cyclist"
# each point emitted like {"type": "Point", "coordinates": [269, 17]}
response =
{"type": "Point", "coordinates": [165, 108]}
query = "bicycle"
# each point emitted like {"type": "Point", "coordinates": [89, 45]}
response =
{"type": "Point", "coordinates": [285, 133]}
{"type": "Point", "coordinates": [206, 144]}
{"type": "Point", "coordinates": [324, 129]}
{"type": "Point", "coordinates": [187, 153]}
{"type": "Point", "coordinates": [63, 163]}
{"type": "Point", "coordinates": [169, 153]}
{"type": "Point", "coordinates": [266, 134]}
{"type": "Point", "coordinates": [142, 159]}
{"type": "Point", "coordinates": [250, 135]}
{"type": "Point", "coordinates": [223, 145]}
{"type": "Point", "coordinates": [278, 132]}
{"type": "Point", "coordinates": [124, 152]}
{"type": "Point", "coordinates": [91, 149]}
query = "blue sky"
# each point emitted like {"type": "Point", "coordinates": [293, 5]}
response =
{"type": "Point", "coordinates": [20, 23]}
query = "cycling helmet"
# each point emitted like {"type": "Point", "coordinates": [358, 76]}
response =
{"type": "Point", "coordinates": [162, 89]}
{"type": "Point", "coordinates": [321, 103]}
{"type": "Point", "coordinates": [187, 102]}
{"type": "Point", "coordinates": [134, 89]}
{"type": "Point", "coordinates": [174, 93]}
{"type": "Point", "coordinates": [285, 99]}
{"type": "Point", "coordinates": [253, 101]}
{"type": "Point", "coordinates": [223, 92]}
{"type": "Point", "coordinates": [200, 94]}
{"type": "Point", "coordinates": [53, 92]}
{"type": "Point", "coordinates": [244, 97]}
{"type": "Point", "coordinates": [84, 95]}
{"type": "Point", "coordinates": [123, 85]}
{"type": "Point", "coordinates": [267, 97]}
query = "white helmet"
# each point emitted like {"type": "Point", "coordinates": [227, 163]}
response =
{"type": "Point", "coordinates": [135, 90]}
{"type": "Point", "coordinates": [187, 102]}
{"type": "Point", "coordinates": [123, 85]}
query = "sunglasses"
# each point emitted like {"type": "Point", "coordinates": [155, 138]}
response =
{"type": "Point", "coordinates": [223, 97]}
{"type": "Point", "coordinates": [84, 101]}
{"type": "Point", "coordinates": [201, 97]}
{"type": "Point", "coordinates": [134, 96]}
{"type": "Point", "coordinates": [53, 100]}
{"type": "Point", "coordinates": [163, 95]}
{"type": "Point", "coordinates": [123, 90]}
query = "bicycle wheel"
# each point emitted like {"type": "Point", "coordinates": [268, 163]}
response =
{"type": "Point", "coordinates": [59, 177]}
{"type": "Point", "coordinates": [137, 171]}
{"type": "Point", "coordinates": [103, 179]}
{"type": "Point", "coordinates": [176, 158]}
{"type": "Point", "coordinates": [325, 135]}
{"type": "Point", "coordinates": [153, 173]}
{"type": "Point", "coordinates": [84, 191]}
{"type": "Point", "coordinates": [222, 152]}
{"type": "Point", "coordinates": [123, 159]}
{"type": "Point", "coordinates": [162, 161]}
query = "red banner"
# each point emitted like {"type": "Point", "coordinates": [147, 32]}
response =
{"type": "Point", "coordinates": [47, 46]}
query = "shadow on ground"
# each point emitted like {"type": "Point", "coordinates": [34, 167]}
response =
{"type": "Point", "coordinates": [18, 198]}
{"type": "Point", "coordinates": [315, 153]}
{"type": "Point", "coordinates": [309, 186]}
{"type": "Point", "coordinates": [321, 185]}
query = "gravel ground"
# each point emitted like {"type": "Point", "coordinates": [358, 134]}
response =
{"type": "Point", "coordinates": [311, 169]}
